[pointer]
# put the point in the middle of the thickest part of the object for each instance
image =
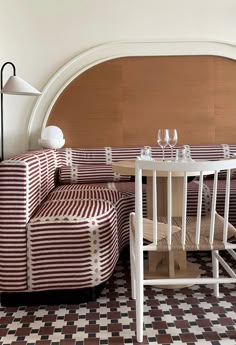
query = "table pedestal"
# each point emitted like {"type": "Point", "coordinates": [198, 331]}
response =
{"type": "Point", "coordinates": [169, 264]}
{"type": "Point", "coordinates": [172, 264]}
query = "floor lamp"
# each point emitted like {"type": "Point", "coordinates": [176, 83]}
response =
{"type": "Point", "coordinates": [14, 86]}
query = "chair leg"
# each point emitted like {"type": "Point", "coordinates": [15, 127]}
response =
{"type": "Point", "coordinates": [139, 311]}
{"type": "Point", "coordinates": [139, 292]}
{"type": "Point", "coordinates": [215, 266]}
{"type": "Point", "coordinates": [132, 266]}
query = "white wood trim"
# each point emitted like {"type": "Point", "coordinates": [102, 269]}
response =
{"type": "Point", "coordinates": [188, 281]}
{"type": "Point", "coordinates": [109, 51]}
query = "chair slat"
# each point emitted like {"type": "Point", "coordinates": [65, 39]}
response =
{"type": "Point", "coordinates": [154, 207]}
{"type": "Point", "coordinates": [184, 210]}
{"type": "Point", "coordinates": [169, 209]}
{"type": "Point", "coordinates": [213, 209]}
{"type": "Point", "coordinates": [226, 209]}
{"type": "Point", "coordinates": [139, 203]}
{"type": "Point", "coordinates": [199, 210]}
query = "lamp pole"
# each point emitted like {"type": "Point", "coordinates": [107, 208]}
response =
{"type": "Point", "coordinates": [14, 86]}
{"type": "Point", "coordinates": [14, 73]}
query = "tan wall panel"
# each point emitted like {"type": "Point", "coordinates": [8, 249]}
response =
{"type": "Point", "coordinates": [225, 96]}
{"type": "Point", "coordinates": [123, 102]}
{"type": "Point", "coordinates": [167, 93]}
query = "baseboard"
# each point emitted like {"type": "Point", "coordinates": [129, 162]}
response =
{"type": "Point", "coordinates": [54, 297]}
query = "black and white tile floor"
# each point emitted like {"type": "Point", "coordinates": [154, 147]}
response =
{"type": "Point", "coordinates": [191, 316]}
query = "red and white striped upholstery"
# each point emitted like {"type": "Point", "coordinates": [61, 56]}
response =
{"type": "Point", "coordinates": [25, 181]}
{"type": "Point", "coordinates": [78, 248]}
{"type": "Point", "coordinates": [76, 236]}
{"type": "Point", "coordinates": [89, 173]}
{"type": "Point", "coordinates": [30, 203]}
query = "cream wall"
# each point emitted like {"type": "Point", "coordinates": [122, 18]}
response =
{"type": "Point", "coordinates": [40, 36]}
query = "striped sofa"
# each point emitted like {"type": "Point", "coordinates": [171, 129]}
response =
{"type": "Point", "coordinates": [64, 215]}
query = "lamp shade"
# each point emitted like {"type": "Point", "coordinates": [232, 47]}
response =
{"type": "Point", "coordinates": [17, 86]}
{"type": "Point", "coordinates": [52, 138]}
{"type": "Point", "coordinates": [52, 132]}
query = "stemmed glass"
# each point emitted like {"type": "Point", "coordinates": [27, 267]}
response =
{"type": "Point", "coordinates": [162, 140]}
{"type": "Point", "coordinates": [173, 138]}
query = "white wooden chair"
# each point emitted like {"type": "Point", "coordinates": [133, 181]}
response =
{"type": "Point", "coordinates": [209, 232]}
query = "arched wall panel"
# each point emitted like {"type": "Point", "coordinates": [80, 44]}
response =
{"type": "Point", "coordinates": [123, 101]}
{"type": "Point", "coordinates": [203, 109]}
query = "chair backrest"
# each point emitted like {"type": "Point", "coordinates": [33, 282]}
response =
{"type": "Point", "coordinates": [177, 231]}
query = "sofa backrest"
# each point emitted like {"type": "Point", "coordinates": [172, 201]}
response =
{"type": "Point", "coordinates": [31, 176]}
{"type": "Point", "coordinates": [211, 152]}
{"type": "Point", "coordinates": [90, 165]}
{"type": "Point", "coordinates": [107, 155]}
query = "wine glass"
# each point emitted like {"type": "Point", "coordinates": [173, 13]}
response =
{"type": "Point", "coordinates": [173, 138]}
{"type": "Point", "coordinates": [162, 140]}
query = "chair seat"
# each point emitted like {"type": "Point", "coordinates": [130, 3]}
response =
{"type": "Point", "coordinates": [190, 233]}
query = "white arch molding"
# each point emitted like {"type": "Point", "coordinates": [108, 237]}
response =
{"type": "Point", "coordinates": [104, 52]}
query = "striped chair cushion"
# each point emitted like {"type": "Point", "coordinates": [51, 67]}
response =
{"type": "Point", "coordinates": [89, 173]}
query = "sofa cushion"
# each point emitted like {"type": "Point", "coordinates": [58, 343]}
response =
{"type": "Point", "coordinates": [72, 243]}
{"type": "Point", "coordinates": [78, 233]}
{"type": "Point", "coordinates": [89, 173]}
{"type": "Point", "coordinates": [71, 210]}
{"type": "Point", "coordinates": [85, 192]}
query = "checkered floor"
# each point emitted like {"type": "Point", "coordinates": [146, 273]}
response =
{"type": "Point", "coordinates": [191, 316]}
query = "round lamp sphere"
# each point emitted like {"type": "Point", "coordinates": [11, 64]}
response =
{"type": "Point", "coordinates": [51, 138]}
{"type": "Point", "coordinates": [52, 132]}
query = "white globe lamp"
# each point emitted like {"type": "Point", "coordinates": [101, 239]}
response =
{"type": "Point", "coordinates": [51, 138]}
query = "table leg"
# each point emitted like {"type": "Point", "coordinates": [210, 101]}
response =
{"type": "Point", "coordinates": [172, 263]}
{"type": "Point", "coordinates": [177, 187]}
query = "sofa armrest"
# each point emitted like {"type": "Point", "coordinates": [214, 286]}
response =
{"type": "Point", "coordinates": [25, 180]}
